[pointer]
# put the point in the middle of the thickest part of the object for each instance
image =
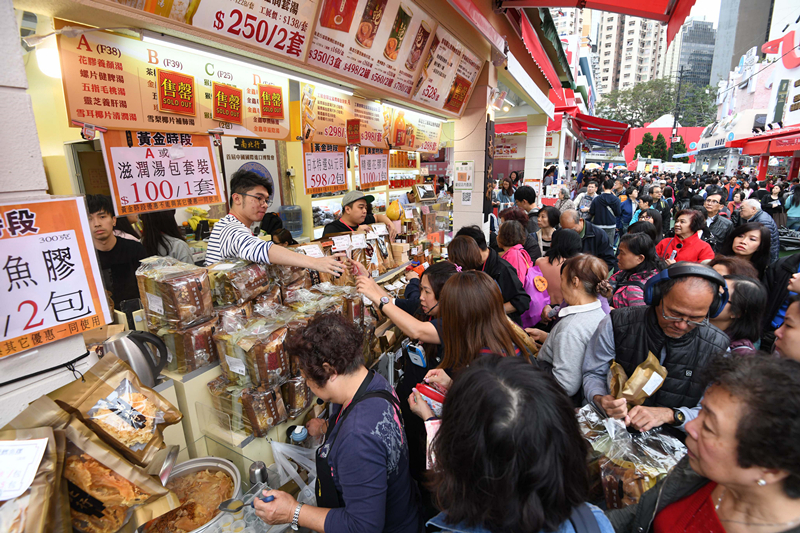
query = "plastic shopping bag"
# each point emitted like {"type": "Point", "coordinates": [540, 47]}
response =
{"type": "Point", "coordinates": [287, 458]}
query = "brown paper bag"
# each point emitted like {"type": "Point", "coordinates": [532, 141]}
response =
{"type": "Point", "coordinates": [645, 381]}
{"type": "Point", "coordinates": [114, 404]}
{"type": "Point", "coordinates": [616, 379]}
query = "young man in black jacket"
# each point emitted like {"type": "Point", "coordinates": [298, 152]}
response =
{"type": "Point", "coordinates": [776, 278]}
{"type": "Point", "coordinates": [515, 300]}
{"type": "Point", "coordinates": [605, 209]}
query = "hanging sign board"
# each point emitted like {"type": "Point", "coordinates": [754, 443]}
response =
{"type": "Point", "coordinates": [121, 83]}
{"type": "Point", "coordinates": [448, 74]}
{"type": "Point", "coordinates": [415, 132]}
{"type": "Point", "coordinates": [52, 287]}
{"type": "Point", "coordinates": [254, 155]}
{"type": "Point", "coordinates": [324, 168]}
{"type": "Point", "coordinates": [378, 43]}
{"type": "Point", "coordinates": [373, 167]}
{"type": "Point", "coordinates": [154, 171]}
{"type": "Point", "coordinates": [325, 115]}
{"type": "Point", "coordinates": [464, 178]}
{"type": "Point", "coordinates": [353, 131]}
{"type": "Point", "coordinates": [510, 147]}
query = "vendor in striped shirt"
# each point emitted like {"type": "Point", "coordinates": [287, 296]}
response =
{"type": "Point", "coordinates": [231, 237]}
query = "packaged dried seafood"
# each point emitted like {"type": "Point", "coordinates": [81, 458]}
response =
{"type": "Point", "coordinates": [237, 281]}
{"type": "Point", "coordinates": [113, 402]}
{"type": "Point", "coordinates": [264, 408]}
{"type": "Point", "coordinates": [191, 348]}
{"type": "Point", "coordinates": [233, 317]}
{"type": "Point", "coordinates": [232, 359]}
{"type": "Point", "coordinates": [267, 362]}
{"type": "Point", "coordinates": [227, 398]}
{"type": "Point", "coordinates": [296, 396]}
{"type": "Point", "coordinates": [174, 294]}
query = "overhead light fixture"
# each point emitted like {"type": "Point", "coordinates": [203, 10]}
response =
{"type": "Point", "coordinates": [231, 58]}
{"type": "Point", "coordinates": [506, 109]}
{"type": "Point", "coordinates": [409, 110]}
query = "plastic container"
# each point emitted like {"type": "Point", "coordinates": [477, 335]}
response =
{"type": "Point", "coordinates": [238, 526]}
{"type": "Point", "coordinates": [292, 217]}
{"type": "Point", "coordinates": [226, 521]}
{"type": "Point", "coordinates": [300, 436]}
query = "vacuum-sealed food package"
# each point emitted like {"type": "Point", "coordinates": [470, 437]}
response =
{"type": "Point", "coordinates": [267, 362]}
{"type": "Point", "coordinates": [174, 294]}
{"type": "Point", "coordinates": [236, 281]}
{"type": "Point", "coordinates": [264, 408]}
{"type": "Point", "coordinates": [190, 348]}
{"type": "Point", "coordinates": [296, 396]}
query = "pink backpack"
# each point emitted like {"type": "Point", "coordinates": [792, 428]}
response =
{"type": "Point", "coordinates": [539, 296]}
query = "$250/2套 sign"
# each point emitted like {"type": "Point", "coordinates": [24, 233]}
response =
{"type": "Point", "coordinates": [51, 282]}
{"type": "Point", "coordinates": [154, 171]}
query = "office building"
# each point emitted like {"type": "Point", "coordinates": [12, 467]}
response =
{"type": "Point", "coordinates": [693, 49]}
{"type": "Point", "coordinates": [630, 51]}
{"type": "Point", "coordinates": [743, 24]}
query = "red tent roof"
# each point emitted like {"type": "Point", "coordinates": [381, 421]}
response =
{"type": "Point", "coordinates": [671, 12]}
{"type": "Point", "coordinates": [602, 130]}
{"type": "Point", "coordinates": [509, 128]}
{"type": "Point", "coordinates": [539, 55]}
{"type": "Point", "coordinates": [782, 141]}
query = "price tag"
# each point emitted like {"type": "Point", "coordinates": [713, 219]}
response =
{"type": "Point", "coordinates": [375, 273]}
{"type": "Point", "coordinates": [312, 250]}
{"type": "Point", "coordinates": [371, 236]}
{"type": "Point", "coordinates": [414, 251]}
{"type": "Point", "coordinates": [155, 303]}
{"type": "Point", "coordinates": [236, 365]}
{"type": "Point", "coordinates": [358, 240]}
{"type": "Point", "coordinates": [426, 265]}
{"type": "Point", "coordinates": [409, 213]}
{"type": "Point", "coordinates": [380, 229]}
{"type": "Point", "coordinates": [427, 253]}
{"type": "Point", "coordinates": [341, 243]}
{"type": "Point", "coordinates": [21, 459]}
{"type": "Point", "coordinates": [324, 171]}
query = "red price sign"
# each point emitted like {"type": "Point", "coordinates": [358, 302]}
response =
{"type": "Point", "coordinates": [373, 167]}
{"type": "Point", "coordinates": [353, 131]}
{"type": "Point", "coordinates": [176, 93]}
{"type": "Point", "coordinates": [324, 168]}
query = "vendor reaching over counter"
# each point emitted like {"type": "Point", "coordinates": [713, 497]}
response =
{"type": "Point", "coordinates": [231, 237]}
{"type": "Point", "coordinates": [356, 216]}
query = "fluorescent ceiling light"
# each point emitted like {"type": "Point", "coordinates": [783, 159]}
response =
{"type": "Point", "coordinates": [228, 58]}
{"type": "Point", "coordinates": [509, 102]}
{"type": "Point", "coordinates": [410, 110]}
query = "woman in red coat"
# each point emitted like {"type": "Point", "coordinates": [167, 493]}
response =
{"type": "Point", "coordinates": [686, 245]}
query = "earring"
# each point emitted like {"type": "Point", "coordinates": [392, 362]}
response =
{"type": "Point", "coordinates": [761, 482]}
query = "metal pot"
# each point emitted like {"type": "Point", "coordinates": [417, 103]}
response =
{"type": "Point", "coordinates": [214, 464]}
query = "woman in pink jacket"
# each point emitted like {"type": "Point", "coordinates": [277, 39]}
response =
{"type": "Point", "coordinates": [510, 239]}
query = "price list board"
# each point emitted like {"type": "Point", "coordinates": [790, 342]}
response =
{"type": "Point", "coordinates": [373, 167]}
{"type": "Point", "coordinates": [324, 168]}
{"type": "Point", "coordinates": [50, 279]}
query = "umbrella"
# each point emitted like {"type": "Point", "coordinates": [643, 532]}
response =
{"type": "Point", "coordinates": [620, 167]}
{"type": "Point", "coordinates": [593, 166]}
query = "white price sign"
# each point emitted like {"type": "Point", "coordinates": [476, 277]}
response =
{"type": "Point", "coordinates": [374, 168]}
{"type": "Point", "coordinates": [324, 171]}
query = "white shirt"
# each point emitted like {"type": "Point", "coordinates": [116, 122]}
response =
{"type": "Point", "coordinates": [230, 239]}
{"type": "Point", "coordinates": [575, 309]}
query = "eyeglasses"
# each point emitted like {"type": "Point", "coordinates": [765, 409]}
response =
{"type": "Point", "coordinates": [259, 199]}
{"type": "Point", "coordinates": [694, 323]}
{"type": "Point", "coordinates": [712, 202]}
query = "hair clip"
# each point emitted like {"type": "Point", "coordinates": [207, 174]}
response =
{"type": "Point", "coordinates": [458, 268]}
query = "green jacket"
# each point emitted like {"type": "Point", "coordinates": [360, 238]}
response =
{"type": "Point", "coordinates": [679, 483]}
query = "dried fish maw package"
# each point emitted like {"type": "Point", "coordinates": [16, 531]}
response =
{"type": "Point", "coordinates": [174, 294]}
{"type": "Point", "coordinates": [124, 413]}
{"type": "Point", "coordinates": [191, 348]}
{"type": "Point", "coordinates": [264, 408]}
{"type": "Point", "coordinates": [103, 487]}
{"type": "Point", "coordinates": [237, 281]}
{"type": "Point", "coordinates": [28, 512]}
{"type": "Point", "coordinates": [233, 317]}
{"type": "Point", "coordinates": [296, 396]}
{"type": "Point", "coordinates": [267, 362]}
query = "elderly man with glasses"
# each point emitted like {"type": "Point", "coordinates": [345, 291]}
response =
{"type": "Point", "coordinates": [719, 226]}
{"type": "Point", "coordinates": [676, 330]}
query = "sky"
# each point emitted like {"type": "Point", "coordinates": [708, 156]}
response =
{"type": "Point", "coordinates": [708, 9]}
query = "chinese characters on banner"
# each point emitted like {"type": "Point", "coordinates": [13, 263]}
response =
{"type": "Point", "coordinates": [324, 117]}
{"type": "Point", "coordinates": [227, 104]}
{"type": "Point", "coordinates": [373, 167]}
{"type": "Point", "coordinates": [379, 43]}
{"type": "Point", "coordinates": [353, 131]}
{"type": "Point", "coordinates": [415, 132]}
{"type": "Point", "coordinates": [50, 280]}
{"type": "Point", "coordinates": [120, 83]}
{"type": "Point", "coordinates": [280, 27]}
{"type": "Point", "coordinates": [175, 93]}
{"type": "Point", "coordinates": [257, 156]}
{"type": "Point", "coordinates": [270, 98]}
{"type": "Point", "coordinates": [510, 147]}
{"type": "Point", "coordinates": [448, 74]}
{"type": "Point", "coordinates": [160, 171]}
{"type": "Point", "coordinates": [324, 168]}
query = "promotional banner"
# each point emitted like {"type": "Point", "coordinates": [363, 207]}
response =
{"type": "Point", "coordinates": [154, 171]}
{"type": "Point", "coordinates": [551, 145]}
{"type": "Point", "coordinates": [52, 287]}
{"type": "Point", "coordinates": [510, 147]}
{"type": "Point", "coordinates": [448, 74]}
{"type": "Point", "coordinates": [324, 168]}
{"type": "Point", "coordinates": [415, 132]}
{"type": "Point", "coordinates": [121, 83]}
{"type": "Point", "coordinates": [325, 114]}
{"type": "Point", "coordinates": [255, 155]}
{"type": "Point", "coordinates": [280, 27]}
{"type": "Point", "coordinates": [379, 43]}
{"type": "Point", "coordinates": [373, 167]}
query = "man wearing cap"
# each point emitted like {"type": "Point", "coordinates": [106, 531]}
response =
{"type": "Point", "coordinates": [354, 212]}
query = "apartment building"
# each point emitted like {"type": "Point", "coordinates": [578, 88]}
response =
{"type": "Point", "coordinates": [630, 50]}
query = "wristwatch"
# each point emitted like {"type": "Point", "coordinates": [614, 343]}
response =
{"type": "Point", "coordinates": [296, 517]}
{"type": "Point", "coordinates": [678, 417]}
{"type": "Point", "coordinates": [384, 300]}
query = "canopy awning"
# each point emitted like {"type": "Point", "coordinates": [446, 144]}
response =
{"type": "Point", "coordinates": [671, 12]}
{"type": "Point", "coordinates": [511, 128]}
{"type": "Point", "coordinates": [603, 131]}
{"type": "Point", "coordinates": [539, 55]}
{"type": "Point", "coordinates": [782, 141]}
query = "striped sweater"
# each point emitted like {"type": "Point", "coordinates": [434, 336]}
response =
{"type": "Point", "coordinates": [230, 239]}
